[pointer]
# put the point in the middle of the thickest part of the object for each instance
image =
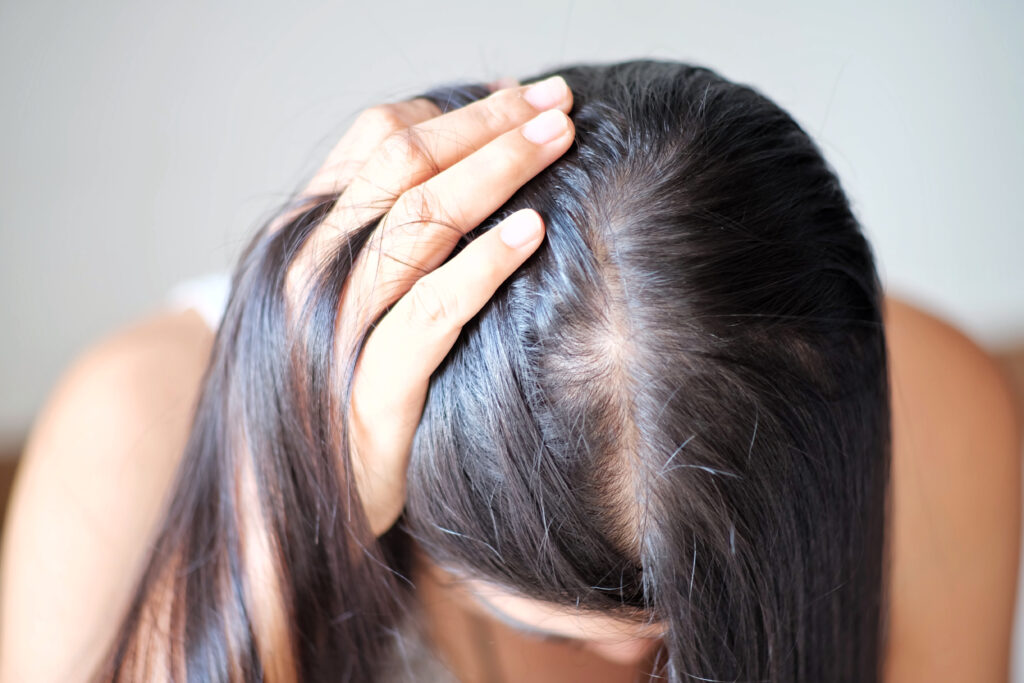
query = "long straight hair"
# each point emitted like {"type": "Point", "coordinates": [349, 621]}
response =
{"type": "Point", "coordinates": [677, 408]}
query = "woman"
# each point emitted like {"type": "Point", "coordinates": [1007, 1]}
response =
{"type": "Point", "coordinates": [654, 426]}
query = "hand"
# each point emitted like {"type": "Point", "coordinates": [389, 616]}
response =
{"type": "Point", "coordinates": [433, 178]}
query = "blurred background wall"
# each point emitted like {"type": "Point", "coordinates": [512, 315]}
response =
{"type": "Point", "coordinates": [141, 142]}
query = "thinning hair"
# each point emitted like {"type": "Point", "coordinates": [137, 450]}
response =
{"type": "Point", "coordinates": [676, 409]}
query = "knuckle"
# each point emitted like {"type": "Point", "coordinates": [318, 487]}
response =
{"type": "Point", "coordinates": [508, 163]}
{"type": "Point", "coordinates": [424, 107]}
{"type": "Point", "coordinates": [381, 119]}
{"type": "Point", "coordinates": [405, 147]}
{"type": "Point", "coordinates": [492, 271]}
{"type": "Point", "coordinates": [430, 304]}
{"type": "Point", "coordinates": [502, 111]}
{"type": "Point", "coordinates": [421, 204]}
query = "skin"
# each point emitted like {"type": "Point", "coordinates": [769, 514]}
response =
{"type": "Point", "coordinates": [82, 510]}
{"type": "Point", "coordinates": [532, 640]}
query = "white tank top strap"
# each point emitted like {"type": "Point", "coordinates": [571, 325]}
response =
{"type": "Point", "coordinates": [206, 294]}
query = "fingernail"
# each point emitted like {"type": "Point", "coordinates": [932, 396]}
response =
{"type": "Point", "coordinates": [546, 94]}
{"type": "Point", "coordinates": [520, 228]}
{"type": "Point", "coordinates": [545, 127]}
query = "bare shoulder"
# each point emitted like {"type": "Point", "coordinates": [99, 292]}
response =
{"type": "Point", "coordinates": [88, 492]}
{"type": "Point", "coordinates": [166, 343]}
{"type": "Point", "coordinates": [956, 484]}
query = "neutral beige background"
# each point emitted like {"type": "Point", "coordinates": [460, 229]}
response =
{"type": "Point", "coordinates": [142, 141]}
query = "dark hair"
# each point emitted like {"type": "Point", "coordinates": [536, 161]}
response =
{"type": "Point", "coordinates": [678, 407]}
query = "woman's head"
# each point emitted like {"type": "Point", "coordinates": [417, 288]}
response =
{"type": "Point", "coordinates": [671, 420]}
{"type": "Point", "coordinates": [676, 410]}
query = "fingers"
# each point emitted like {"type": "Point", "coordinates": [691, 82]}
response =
{"type": "Point", "coordinates": [408, 344]}
{"type": "Point", "coordinates": [402, 160]}
{"type": "Point", "coordinates": [349, 155]}
{"type": "Point", "coordinates": [414, 154]}
{"type": "Point", "coordinates": [428, 318]}
{"type": "Point", "coordinates": [425, 223]}
{"type": "Point", "coordinates": [370, 128]}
